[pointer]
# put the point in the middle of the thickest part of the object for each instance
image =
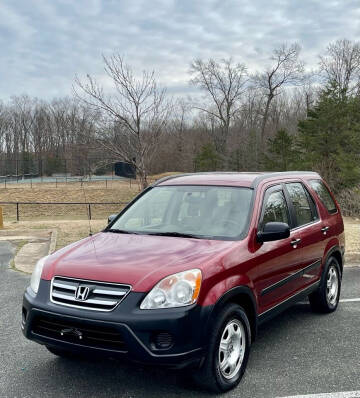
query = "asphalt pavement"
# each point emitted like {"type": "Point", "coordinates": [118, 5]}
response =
{"type": "Point", "coordinates": [297, 353]}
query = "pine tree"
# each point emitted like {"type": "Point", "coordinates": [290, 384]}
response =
{"type": "Point", "coordinates": [207, 159]}
{"type": "Point", "coordinates": [281, 154]}
{"type": "Point", "coordinates": [329, 138]}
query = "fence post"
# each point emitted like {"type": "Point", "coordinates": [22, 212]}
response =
{"type": "Point", "coordinates": [5, 182]}
{"type": "Point", "coordinates": [89, 211]}
{"type": "Point", "coordinates": [65, 172]}
{"type": "Point", "coordinates": [17, 211]}
{"type": "Point", "coordinates": [1, 218]}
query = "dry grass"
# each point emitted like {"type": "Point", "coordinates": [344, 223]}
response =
{"type": "Point", "coordinates": [352, 236]}
{"type": "Point", "coordinates": [70, 220]}
{"type": "Point", "coordinates": [98, 191]}
{"type": "Point", "coordinates": [68, 231]}
{"type": "Point", "coordinates": [117, 193]}
{"type": "Point", "coordinates": [71, 231]}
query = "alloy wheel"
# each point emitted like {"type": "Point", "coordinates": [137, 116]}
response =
{"type": "Point", "coordinates": [232, 348]}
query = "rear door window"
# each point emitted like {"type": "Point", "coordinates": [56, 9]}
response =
{"type": "Point", "coordinates": [304, 207]}
{"type": "Point", "coordinates": [324, 195]}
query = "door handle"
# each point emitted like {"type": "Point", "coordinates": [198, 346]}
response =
{"type": "Point", "coordinates": [324, 230]}
{"type": "Point", "coordinates": [295, 242]}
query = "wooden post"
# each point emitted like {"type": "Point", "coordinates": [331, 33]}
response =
{"type": "Point", "coordinates": [1, 218]}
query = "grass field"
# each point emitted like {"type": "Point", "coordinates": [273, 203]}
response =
{"type": "Point", "coordinates": [72, 230]}
{"type": "Point", "coordinates": [71, 220]}
{"type": "Point", "coordinates": [97, 191]}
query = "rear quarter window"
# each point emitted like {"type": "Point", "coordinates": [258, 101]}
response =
{"type": "Point", "coordinates": [324, 195]}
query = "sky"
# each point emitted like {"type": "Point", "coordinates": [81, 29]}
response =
{"type": "Point", "coordinates": [45, 43]}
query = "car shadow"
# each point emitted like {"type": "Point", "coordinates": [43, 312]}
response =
{"type": "Point", "coordinates": [118, 378]}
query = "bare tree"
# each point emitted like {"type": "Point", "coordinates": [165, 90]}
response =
{"type": "Point", "coordinates": [308, 89]}
{"type": "Point", "coordinates": [225, 83]}
{"type": "Point", "coordinates": [341, 65]}
{"type": "Point", "coordinates": [135, 114]}
{"type": "Point", "coordinates": [286, 69]}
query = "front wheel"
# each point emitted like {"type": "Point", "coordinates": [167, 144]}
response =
{"type": "Point", "coordinates": [326, 298]}
{"type": "Point", "coordinates": [228, 351]}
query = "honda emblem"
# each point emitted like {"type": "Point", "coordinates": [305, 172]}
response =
{"type": "Point", "coordinates": [82, 293]}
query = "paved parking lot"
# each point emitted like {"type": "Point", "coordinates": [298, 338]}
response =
{"type": "Point", "coordinates": [297, 353]}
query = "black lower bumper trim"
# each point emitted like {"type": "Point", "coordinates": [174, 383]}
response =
{"type": "Point", "coordinates": [125, 332]}
{"type": "Point", "coordinates": [72, 331]}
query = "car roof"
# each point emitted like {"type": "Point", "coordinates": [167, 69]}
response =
{"type": "Point", "coordinates": [249, 179]}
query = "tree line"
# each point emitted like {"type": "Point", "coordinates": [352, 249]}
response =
{"type": "Point", "coordinates": [282, 117]}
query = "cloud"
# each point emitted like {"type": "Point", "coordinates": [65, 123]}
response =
{"type": "Point", "coordinates": [46, 43]}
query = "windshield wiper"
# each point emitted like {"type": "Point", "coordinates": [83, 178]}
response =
{"type": "Point", "coordinates": [121, 231]}
{"type": "Point", "coordinates": [176, 234]}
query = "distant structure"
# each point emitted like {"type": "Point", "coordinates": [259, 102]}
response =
{"type": "Point", "coordinates": [123, 169]}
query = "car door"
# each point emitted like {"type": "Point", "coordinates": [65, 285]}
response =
{"type": "Point", "coordinates": [279, 260]}
{"type": "Point", "coordinates": [307, 226]}
{"type": "Point", "coordinates": [331, 227]}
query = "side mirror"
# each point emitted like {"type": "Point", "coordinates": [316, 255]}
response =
{"type": "Point", "coordinates": [273, 231]}
{"type": "Point", "coordinates": [112, 218]}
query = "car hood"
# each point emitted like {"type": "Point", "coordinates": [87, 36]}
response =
{"type": "Point", "coordinates": [138, 260]}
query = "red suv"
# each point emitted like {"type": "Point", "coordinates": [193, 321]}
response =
{"type": "Point", "coordinates": [184, 275]}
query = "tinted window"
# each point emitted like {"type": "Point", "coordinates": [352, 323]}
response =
{"type": "Point", "coordinates": [204, 211]}
{"type": "Point", "coordinates": [301, 204]}
{"type": "Point", "coordinates": [275, 208]}
{"type": "Point", "coordinates": [324, 195]}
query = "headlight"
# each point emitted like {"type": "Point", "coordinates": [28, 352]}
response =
{"type": "Point", "coordinates": [175, 290]}
{"type": "Point", "coordinates": [36, 275]}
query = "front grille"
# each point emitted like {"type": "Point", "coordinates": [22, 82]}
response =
{"type": "Point", "coordinates": [99, 296]}
{"type": "Point", "coordinates": [77, 332]}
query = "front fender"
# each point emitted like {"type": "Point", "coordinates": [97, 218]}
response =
{"type": "Point", "coordinates": [234, 289]}
{"type": "Point", "coordinates": [220, 288]}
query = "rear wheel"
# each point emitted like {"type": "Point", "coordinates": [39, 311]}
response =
{"type": "Point", "coordinates": [326, 298]}
{"type": "Point", "coordinates": [228, 351]}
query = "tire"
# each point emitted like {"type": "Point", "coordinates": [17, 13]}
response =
{"type": "Point", "coordinates": [326, 298]}
{"type": "Point", "coordinates": [61, 353]}
{"type": "Point", "coordinates": [224, 365]}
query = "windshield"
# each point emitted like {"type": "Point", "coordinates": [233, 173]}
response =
{"type": "Point", "coordinates": [197, 211]}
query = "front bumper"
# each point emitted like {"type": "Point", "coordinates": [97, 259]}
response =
{"type": "Point", "coordinates": [126, 331]}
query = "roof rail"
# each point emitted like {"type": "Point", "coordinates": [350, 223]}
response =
{"type": "Point", "coordinates": [254, 184]}
{"type": "Point", "coordinates": [198, 173]}
{"type": "Point", "coordinates": [160, 180]}
{"type": "Point", "coordinates": [264, 176]}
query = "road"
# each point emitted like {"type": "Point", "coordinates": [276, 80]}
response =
{"type": "Point", "coordinates": [296, 353]}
